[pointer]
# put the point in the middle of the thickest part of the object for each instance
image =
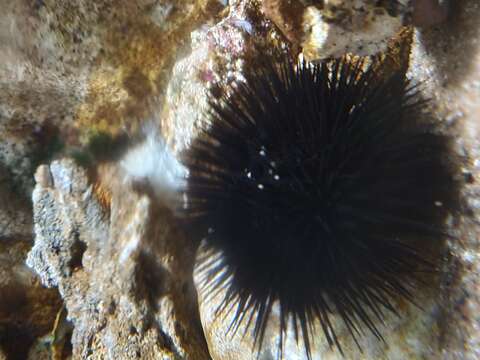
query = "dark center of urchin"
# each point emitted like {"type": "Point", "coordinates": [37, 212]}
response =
{"type": "Point", "coordinates": [324, 188]}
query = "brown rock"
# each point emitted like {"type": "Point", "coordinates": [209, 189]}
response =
{"type": "Point", "coordinates": [27, 310]}
{"type": "Point", "coordinates": [446, 61]}
{"type": "Point", "coordinates": [125, 278]}
{"type": "Point", "coordinates": [430, 12]}
{"type": "Point", "coordinates": [287, 16]}
{"type": "Point", "coordinates": [333, 28]}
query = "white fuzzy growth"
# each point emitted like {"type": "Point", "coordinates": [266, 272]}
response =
{"type": "Point", "coordinates": [152, 162]}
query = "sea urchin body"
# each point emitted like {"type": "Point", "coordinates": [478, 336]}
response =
{"type": "Point", "coordinates": [323, 189]}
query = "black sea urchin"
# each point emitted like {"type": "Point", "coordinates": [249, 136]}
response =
{"type": "Point", "coordinates": [323, 188]}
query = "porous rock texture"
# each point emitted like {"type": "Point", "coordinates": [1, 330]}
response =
{"type": "Point", "coordinates": [121, 272]}
{"type": "Point", "coordinates": [331, 28]}
{"type": "Point", "coordinates": [122, 268]}
{"type": "Point", "coordinates": [446, 62]}
{"type": "Point", "coordinates": [69, 69]}
{"type": "Point", "coordinates": [27, 309]}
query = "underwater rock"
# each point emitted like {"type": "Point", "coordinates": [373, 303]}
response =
{"type": "Point", "coordinates": [122, 271]}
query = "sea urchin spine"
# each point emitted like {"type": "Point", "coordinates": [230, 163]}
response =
{"type": "Point", "coordinates": [324, 189]}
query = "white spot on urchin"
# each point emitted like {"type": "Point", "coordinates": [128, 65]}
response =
{"type": "Point", "coordinates": [153, 162]}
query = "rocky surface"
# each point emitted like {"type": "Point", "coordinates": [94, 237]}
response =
{"type": "Point", "coordinates": [27, 309]}
{"type": "Point", "coordinates": [216, 57]}
{"type": "Point", "coordinates": [331, 28]}
{"type": "Point", "coordinates": [446, 61]}
{"type": "Point", "coordinates": [15, 214]}
{"type": "Point", "coordinates": [69, 70]}
{"type": "Point", "coordinates": [123, 270]}
{"type": "Point", "coordinates": [414, 335]}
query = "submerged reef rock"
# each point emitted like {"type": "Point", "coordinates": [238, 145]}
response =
{"type": "Point", "coordinates": [331, 28]}
{"type": "Point", "coordinates": [117, 270]}
{"type": "Point", "coordinates": [27, 309]}
{"type": "Point", "coordinates": [121, 273]}
{"type": "Point", "coordinates": [445, 61]}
